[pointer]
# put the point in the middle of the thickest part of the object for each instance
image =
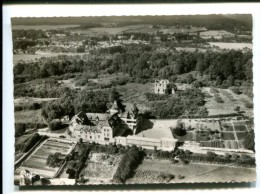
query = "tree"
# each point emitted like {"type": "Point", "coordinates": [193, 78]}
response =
{"type": "Point", "coordinates": [190, 79]}
{"type": "Point", "coordinates": [249, 141]}
{"type": "Point", "coordinates": [179, 130]}
{"type": "Point", "coordinates": [237, 109]}
{"type": "Point", "coordinates": [20, 128]}
{"type": "Point", "coordinates": [55, 125]}
{"type": "Point", "coordinates": [52, 110]}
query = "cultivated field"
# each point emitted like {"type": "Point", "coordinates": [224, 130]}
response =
{"type": "Point", "coordinates": [36, 162]}
{"type": "Point", "coordinates": [100, 168]}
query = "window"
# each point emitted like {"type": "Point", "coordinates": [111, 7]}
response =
{"type": "Point", "coordinates": [98, 136]}
{"type": "Point", "coordinates": [106, 139]}
{"type": "Point", "coordinates": [79, 135]}
{"type": "Point", "coordinates": [90, 137]}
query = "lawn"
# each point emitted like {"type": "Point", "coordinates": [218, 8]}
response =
{"type": "Point", "coordinates": [28, 116]}
{"type": "Point", "coordinates": [225, 174]}
{"type": "Point", "coordinates": [231, 101]}
{"type": "Point", "coordinates": [193, 172]}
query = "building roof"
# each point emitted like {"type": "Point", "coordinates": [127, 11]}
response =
{"type": "Point", "coordinates": [131, 137]}
{"type": "Point", "coordinates": [87, 128]}
{"type": "Point", "coordinates": [100, 116]}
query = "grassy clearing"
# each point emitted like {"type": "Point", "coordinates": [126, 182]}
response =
{"type": "Point", "coordinates": [134, 93]}
{"type": "Point", "coordinates": [225, 174]}
{"type": "Point", "coordinates": [29, 116]}
{"type": "Point", "coordinates": [193, 172]}
{"type": "Point", "coordinates": [230, 102]}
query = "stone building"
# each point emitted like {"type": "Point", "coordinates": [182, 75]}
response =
{"type": "Point", "coordinates": [160, 86]}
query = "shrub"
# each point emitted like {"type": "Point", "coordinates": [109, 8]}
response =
{"type": "Point", "coordinates": [218, 99]}
{"type": "Point", "coordinates": [20, 128]}
{"type": "Point", "coordinates": [129, 162]}
{"type": "Point", "coordinates": [249, 141]}
{"type": "Point", "coordinates": [236, 90]}
{"type": "Point", "coordinates": [55, 125]}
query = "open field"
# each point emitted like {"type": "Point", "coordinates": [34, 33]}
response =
{"type": "Point", "coordinates": [42, 27]}
{"type": "Point", "coordinates": [28, 116]}
{"type": "Point", "coordinates": [231, 101]}
{"type": "Point", "coordinates": [236, 46]}
{"type": "Point", "coordinates": [134, 93]}
{"type": "Point", "coordinates": [33, 57]}
{"type": "Point", "coordinates": [115, 30]}
{"type": "Point", "coordinates": [37, 160]}
{"type": "Point", "coordinates": [194, 172]}
{"type": "Point", "coordinates": [29, 100]}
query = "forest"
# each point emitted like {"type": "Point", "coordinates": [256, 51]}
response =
{"type": "Point", "coordinates": [142, 62]}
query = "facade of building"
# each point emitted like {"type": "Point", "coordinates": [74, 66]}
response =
{"type": "Point", "coordinates": [160, 86]}
{"type": "Point", "coordinates": [147, 143]}
{"type": "Point", "coordinates": [92, 127]}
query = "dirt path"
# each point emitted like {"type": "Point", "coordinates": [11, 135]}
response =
{"type": "Point", "coordinates": [234, 131]}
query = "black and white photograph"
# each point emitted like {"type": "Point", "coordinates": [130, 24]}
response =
{"type": "Point", "coordinates": [148, 99]}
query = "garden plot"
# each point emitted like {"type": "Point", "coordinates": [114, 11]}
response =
{"type": "Point", "coordinates": [100, 168]}
{"type": "Point", "coordinates": [36, 162]}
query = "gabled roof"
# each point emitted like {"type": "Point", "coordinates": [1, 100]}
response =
{"type": "Point", "coordinates": [100, 116]}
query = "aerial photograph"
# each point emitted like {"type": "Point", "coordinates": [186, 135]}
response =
{"type": "Point", "coordinates": [133, 100]}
